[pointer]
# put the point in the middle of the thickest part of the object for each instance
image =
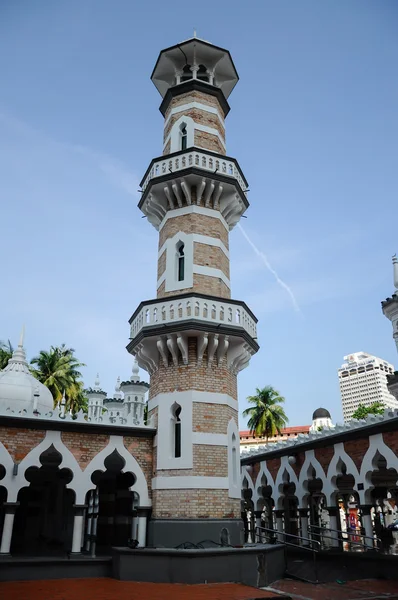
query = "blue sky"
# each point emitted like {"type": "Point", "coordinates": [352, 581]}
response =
{"type": "Point", "coordinates": [314, 126]}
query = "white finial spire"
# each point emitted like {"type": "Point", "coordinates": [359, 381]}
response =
{"type": "Point", "coordinates": [135, 371]}
{"type": "Point", "coordinates": [395, 267]}
{"type": "Point", "coordinates": [22, 337]}
{"type": "Point", "coordinates": [97, 383]}
{"type": "Point", "coordinates": [194, 33]}
{"type": "Point", "coordinates": [118, 393]}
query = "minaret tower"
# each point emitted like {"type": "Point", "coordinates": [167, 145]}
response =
{"type": "Point", "coordinates": [193, 339]}
{"type": "Point", "coordinates": [390, 310]}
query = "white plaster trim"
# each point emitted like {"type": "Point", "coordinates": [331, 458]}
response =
{"type": "Point", "coordinates": [175, 134]}
{"type": "Point", "coordinates": [187, 210]}
{"type": "Point", "coordinates": [257, 495]}
{"type": "Point", "coordinates": [173, 285]}
{"type": "Point", "coordinates": [197, 105]}
{"type": "Point", "coordinates": [165, 458]}
{"type": "Point", "coordinates": [170, 274]}
{"type": "Point", "coordinates": [172, 136]}
{"type": "Point", "coordinates": [234, 490]}
{"type": "Point", "coordinates": [210, 439]}
{"type": "Point", "coordinates": [190, 483]}
{"type": "Point", "coordinates": [196, 396]}
{"type": "Point", "coordinates": [212, 272]}
{"type": "Point", "coordinates": [201, 239]}
{"type": "Point", "coordinates": [247, 482]}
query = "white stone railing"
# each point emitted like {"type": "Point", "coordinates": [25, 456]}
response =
{"type": "Point", "coordinates": [172, 310]}
{"type": "Point", "coordinates": [194, 158]}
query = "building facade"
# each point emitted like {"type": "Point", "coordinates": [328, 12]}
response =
{"type": "Point", "coordinates": [193, 339]}
{"type": "Point", "coordinates": [363, 380]}
{"type": "Point", "coordinates": [249, 440]}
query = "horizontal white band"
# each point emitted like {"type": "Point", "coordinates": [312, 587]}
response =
{"type": "Point", "coordinates": [197, 105]}
{"type": "Point", "coordinates": [211, 272]}
{"type": "Point", "coordinates": [201, 239]}
{"type": "Point", "coordinates": [196, 396]}
{"type": "Point", "coordinates": [209, 439]}
{"type": "Point", "coordinates": [190, 482]}
{"type": "Point", "coordinates": [201, 270]}
{"type": "Point", "coordinates": [187, 210]}
{"type": "Point", "coordinates": [205, 129]}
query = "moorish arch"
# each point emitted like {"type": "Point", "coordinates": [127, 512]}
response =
{"type": "Point", "coordinates": [285, 475]}
{"type": "Point", "coordinates": [264, 472]}
{"type": "Point", "coordinates": [6, 470]}
{"type": "Point", "coordinates": [340, 457]}
{"type": "Point", "coordinates": [310, 464]}
{"type": "Point", "coordinates": [377, 447]}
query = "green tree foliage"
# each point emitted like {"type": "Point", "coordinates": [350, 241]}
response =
{"type": "Point", "coordinates": [377, 408]}
{"type": "Point", "coordinates": [6, 351]}
{"type": "Point", "coordinates": [58, 369]}
{"type": "Point", "coordinates": [267, 416]}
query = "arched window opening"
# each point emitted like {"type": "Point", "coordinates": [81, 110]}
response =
{"type": "Point", "coordinates": [184, 136]}
{"type": "Point", "coordinates": [180, 261]}
{"type": "Point", "coordinates": [177, 431]}
{"type": "Point", "coordinates": [202, 74]}
{"type": "Point", "coordinates": [186, 73]}
{"type": "Point", "coordinates": [234, 463]}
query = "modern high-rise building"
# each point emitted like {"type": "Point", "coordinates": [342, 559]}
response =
{"type": "Point", "coordinates": [363, 380]}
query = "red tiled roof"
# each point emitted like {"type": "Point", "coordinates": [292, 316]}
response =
{"type": "Point", "coordinates": [298, 429]}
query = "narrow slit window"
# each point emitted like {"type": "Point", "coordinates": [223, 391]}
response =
{"type": "Point", "coordinates": [181, 262]}
{"type": "Point", "coordinates": [184, 136]}
{"type": "Point", "coordinates": [177, 433]}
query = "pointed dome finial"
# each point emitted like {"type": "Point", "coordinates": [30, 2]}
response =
{"type": "Point", "coordinates": [97, 383]}
{"type": "Point", "coordinates": [395, 267]}
{"type": "Point", "coordinates": [118, 393]}
{"type": "Point", "coordinates": [22, 337]}
{"type": "Point", "coordinates": [135, 371]}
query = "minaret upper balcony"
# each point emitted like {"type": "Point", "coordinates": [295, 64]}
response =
{"type": "Point", "coordinates": [194, 64]}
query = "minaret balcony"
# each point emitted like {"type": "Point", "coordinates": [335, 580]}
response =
{"type": "Point", "coordinates": [194, 177]}
{"type": "Point", "coordinates": [160, 330]}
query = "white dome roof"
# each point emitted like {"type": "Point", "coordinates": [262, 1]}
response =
{"type": "Point", "coordinates": [18, 387]}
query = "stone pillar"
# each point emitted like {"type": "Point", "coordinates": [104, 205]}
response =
{"type": "Point", "coordinates": [142, 521]}
{"type": "Point", "coordinates": [78, 527]}
{"type": "Point", "coordinates": [279, 524]}
{"type": "Point", "coordinates": [333, 516]}
{"type": "Point", "coordinates": [10, 508]}
{"type": "Point", "coordinates": [303, 512]}
{"type": "Point", "coordinates": [367, 525]}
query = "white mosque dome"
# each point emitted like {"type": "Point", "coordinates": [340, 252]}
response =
{"type": "Point", "coordinates": [19, 390]}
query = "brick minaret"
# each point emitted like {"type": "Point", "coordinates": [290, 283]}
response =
{"type": "Point", "coordinates": [193, 339]}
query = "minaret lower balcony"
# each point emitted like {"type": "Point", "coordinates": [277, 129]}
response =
{"type": "Point", "coordinates": [159, 330]}
{"type": "Point", "coordinates": [194, 177]}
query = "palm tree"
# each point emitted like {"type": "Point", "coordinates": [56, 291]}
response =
{"type": "Point", "coordinates": [57, 369]}
{"type": "Point", "coordinates": [6, 351]}
{"type": "Point", "coordinates": [267, 416]}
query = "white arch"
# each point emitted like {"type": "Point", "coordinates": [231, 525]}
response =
{"type": "Point", "coordinates": [233, 459]}
{"type": "Point", "coordinates": [280, 481]}
{"type": "Point", "coordinates": [270, 481]}
{"type": "Point", "coordinates": [310, 459]}
{"type": "Point", "coordinates": [376, 444]}
{"type": "Point", "coordinates": [339, 454]}
{"type": "Point", "coordinates": [32, 459]}
{"type": "Point", "coordinates": [8, 463]}
{"type": "Point", "coordinates": [245, 476]}
{"type": "Point", "coordinates": [131, 465]}
{"type": "Point", "coordinates": [175, 133]}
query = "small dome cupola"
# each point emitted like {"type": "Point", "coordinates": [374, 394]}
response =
{"type": "Point", "coordinates": [321, 419]}
{"type": "Point", "coordinates": [197, 60]}
{"type": "Point", "coordinates": [321, 413]}
{"type": "Point", "coordinates": [19, 389]}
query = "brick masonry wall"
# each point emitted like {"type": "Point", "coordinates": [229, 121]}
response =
{"type": "Point", "coordinates": [273, 467]}
{"type": "Point", "coordinates": [142, 450]}
{"type": "Point", "coordinates": [208, 141]}
{"type": "Point", "coordinates": [356, 449]}
{"type": "Point", "coordinates": [324, 457]}
{"type": "Point", "coordinates": [203, 284]}
{"type": "Point", "coordinates": [199, 116]}
{"type": "Point", "coordinates": [194, 96]}
{"type": "Point", "coordinates": [162, 264]}
{"type": "Point", "coordinates": [84, 446]}
{"type": "Point", "coordinates": [218, 379]}
{"type": "Point", "coordinates": [194, 223]}
{"type": "Point", "coordinates": [212, 418]}
{"type": "Point", "coordinates": [200, 504]}
{"type": "Point", "coordinates": [19, 442]}
{"type": "Point", "coordinates": [210, 256]}
{"type": "Point", "coordinates": [391, 440]}
{"type": "Point", "coordinates": [208, 461]}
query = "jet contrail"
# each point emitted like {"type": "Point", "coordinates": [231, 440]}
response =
{"type": "Point", "coordinates": [270, 269]}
